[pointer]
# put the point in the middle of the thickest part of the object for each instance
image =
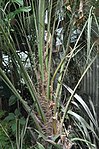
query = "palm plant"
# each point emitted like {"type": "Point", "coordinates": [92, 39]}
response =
{"type": "Point", "coordinates": [23, 30]}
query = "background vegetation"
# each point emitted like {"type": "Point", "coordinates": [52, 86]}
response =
{"type": "Point", "coordinates": [46, 49]}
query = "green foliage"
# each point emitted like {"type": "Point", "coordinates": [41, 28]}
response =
{"type": "Point", "coordinates": [8, 129]}
{"type": "Point", "coordinates": [12, 100]}
{"type": "Point", "coordinates": [12, 15]}
{"type": "Point", "coordinates": [4, 130]}
{"type": "Point", "coordinates": [4, 141]}
{"type": "Point", "coordinates": [39, 146]}
{"type": "Point", "coordinates": [23, 30]}
{"type": "Point", "coordinates": [20, 2]}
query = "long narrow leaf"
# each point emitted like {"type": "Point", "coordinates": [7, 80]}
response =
{"type": "Point", "coordinates": [24, 103]}
{"type": "Point", "coordinates": [25, 76]}
{"type": "Point", "coordinates": [70, 99]}
{"type": "Point", "coordinates": [84, 105]}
